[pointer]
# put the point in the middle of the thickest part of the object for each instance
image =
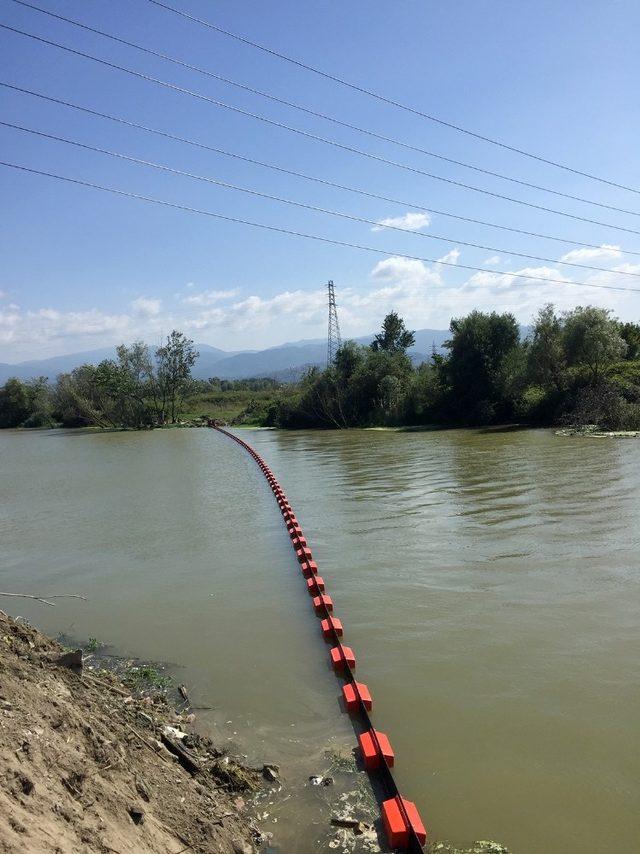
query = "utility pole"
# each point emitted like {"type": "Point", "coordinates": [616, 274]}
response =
{"type": "Point", "coordinates": [333, 338]}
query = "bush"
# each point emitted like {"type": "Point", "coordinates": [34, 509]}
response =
{"type": "Point", "coordinates": [603, 405]}
{"type": "Point", "coordinates": [39, 419]}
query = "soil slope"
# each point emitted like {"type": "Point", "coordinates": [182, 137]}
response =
{"type": "Point", "coordinates": [83, 769]}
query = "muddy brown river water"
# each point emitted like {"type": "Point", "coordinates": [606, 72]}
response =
{"type": "Point", "coordinates": [488, 583]}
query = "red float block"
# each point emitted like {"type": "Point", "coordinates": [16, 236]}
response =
{"type": "Point", "coordinates": [320, 603]}
{"type": "Point", "coordinates": [341, 656]}
{"type": "Point", "coordinates": [353, 693]}
{"type": "Point", "coordinates": [333, 623]}
{"type": "Point", "coordinates": [309, 568]}
{"type": "Point", "coordinates": [298, 542]}
{"type": "Point", "coordinates": [315, 584]}
{"type": "Point", "coordinates": [395, 824]}
{"type": "Point", "coordinates": [371, 756]}
{"type": "Point", "coordinates": [304, 554]}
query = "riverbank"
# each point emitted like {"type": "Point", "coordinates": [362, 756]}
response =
{"type": "Point", "coordinates": [88, 767]}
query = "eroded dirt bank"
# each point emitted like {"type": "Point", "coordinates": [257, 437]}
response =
{"type": "Point", "coordinates": [83, 766]}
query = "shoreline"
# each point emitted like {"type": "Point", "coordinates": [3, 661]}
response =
{"type": "Point", "coordinates": [89, 766]}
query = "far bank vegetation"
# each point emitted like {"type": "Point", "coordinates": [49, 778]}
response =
{"type": "Point", "coordinates": [572, 369]}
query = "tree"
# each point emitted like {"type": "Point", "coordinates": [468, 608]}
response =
{"type": "Point", "coordinates": [546, 358]}
{"type": "Point", "coordinates": [630, 333]}
{"type": "Point", "coordinates": [174, 362]}
{"type": "Point", "coordinates": [81, 398]}
{"type": "Point", "coordinates": [395, 337]}
{"type": "Point", "coordinates": [479, 366]}
{"type": "Point", "coordinates": [14, 403]}
{"type": "Point", "coordinates": [592, 339]}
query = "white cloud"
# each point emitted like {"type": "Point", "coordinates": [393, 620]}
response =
{"type": "Point", "coordinates": [146, 307]}
{"type": "Point", "coordinates": [409, 221]}
{"type": "Point", "coordinates": [605, 252]}
{"type": "Point", "coordinates": [209, 297]}
{"type": "Point", "coordinates": [492, 261]}
{"type": "Point", "coordinates": [425, 295]}
{"type": "Point", "coordinates": [450, 257]}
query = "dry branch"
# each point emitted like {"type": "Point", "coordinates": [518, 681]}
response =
{"type": "Point", "coordinates": [46, 601]}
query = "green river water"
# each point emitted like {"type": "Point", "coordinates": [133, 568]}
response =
{"type": "Point", "coordinates": [487, 581]}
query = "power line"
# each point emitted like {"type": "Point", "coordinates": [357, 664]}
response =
{"type": "Point", "coordinates": [181, 90]}
{"type": "Point", "coordinates": [390, 101]}
{"type": "Point", "coordinates": [304, 176]}
{"type": "Point", "coordinates": [303, 205]}
{"type": "Point", "coordinates": [305, 235]}
{"type": "Point", "coordinates": [324, 116]}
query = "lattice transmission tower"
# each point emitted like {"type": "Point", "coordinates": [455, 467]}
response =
{"type": "Point", "coordinates": [334, 341]}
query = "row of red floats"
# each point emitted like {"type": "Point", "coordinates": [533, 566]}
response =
{"type": "Point", "coordinates": [400, 817]}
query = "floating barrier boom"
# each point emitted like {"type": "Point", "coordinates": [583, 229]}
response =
{"type": "Point", "coordinates": [401, 820]}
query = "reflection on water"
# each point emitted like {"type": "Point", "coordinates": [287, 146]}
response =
{"type": "Point", "coordinates": [487, 581]}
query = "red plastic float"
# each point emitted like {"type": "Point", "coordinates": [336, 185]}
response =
{"type": "Point", "coordinates": [323, 603]}
{"type": "Point", "coordinates": [395, 823]}
{"type": "Point", "coordinates": [331, 625]}
{"type": "Point", "coordinates": [309, 568]}
{"type": "Point", "coordinates": [401, 820]}
{"type": "Point", "coordinates": [375, 747]}
{"type": "Point", "coordinates": [353, 694]}
{"type": "Point", "coordinates": [342, 656]}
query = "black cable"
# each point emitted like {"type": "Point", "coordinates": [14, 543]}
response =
{"type": "Point", "coordinates": [175, 88]}
{"type": "Point", "coordinates": [352, 218]}
{"type": "Point", "coordinates": [324, 116]}
{"type": "Point", "coordinates": [323, 181]}
{"type": "Point", "coordinates": [316, 237]}
{"type": "Point", "coordinates": [363, 91]}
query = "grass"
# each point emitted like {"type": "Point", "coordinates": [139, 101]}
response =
{"type": "Point", "coordinates": [227, 406]}
{"type": "Point", "coordinates": [145, 677]}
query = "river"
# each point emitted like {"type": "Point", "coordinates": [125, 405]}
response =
{"type": "Point", "coordinates": [488, 583]}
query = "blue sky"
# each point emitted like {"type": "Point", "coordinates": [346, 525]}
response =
{"type": "Point", "coordinates": [82, 269]}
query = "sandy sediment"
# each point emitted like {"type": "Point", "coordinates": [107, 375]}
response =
{"type": "Point", "coordinates": [83, 766]}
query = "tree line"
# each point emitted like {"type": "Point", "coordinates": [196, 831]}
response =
{"type": "Point", "coordinates": [578, 367]}
{"type": "Point", "coordinates": [575, 368]}
{"type": "Point", "coordinates": [137, 389]}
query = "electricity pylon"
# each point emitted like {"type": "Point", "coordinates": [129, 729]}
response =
{"type": "Point", "coordinates": [333, 338]}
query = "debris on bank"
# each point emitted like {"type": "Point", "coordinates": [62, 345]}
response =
{"type": "Point", "coordinates": [85, 765]}
{"type": "Point", "coordinates": [593, 431]}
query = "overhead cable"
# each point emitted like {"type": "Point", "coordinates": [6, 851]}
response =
{"type": "Point", "coordinates": [390, 101]}
{"type": "Point", "coordinates": [309, 207]}
{"type": "Point", "coordinates": [181, 90]}
{"type": "Point", "coordinates": [307, 236]}
{"type": "Point", "coordinates": [324, 116]}
{"type": "Point", "coordinates": [323, 181]}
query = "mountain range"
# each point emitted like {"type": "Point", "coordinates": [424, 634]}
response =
{"type": "Point", "coordinates": [285, 362]}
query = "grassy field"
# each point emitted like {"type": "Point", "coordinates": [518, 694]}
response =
{"type": "Point", "coordinates": [242, 406]}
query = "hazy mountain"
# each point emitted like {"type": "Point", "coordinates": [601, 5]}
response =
{"type": "Point", "coordinates": [63, 364]}
{"type": "Point", "coordinates": [284, 361]}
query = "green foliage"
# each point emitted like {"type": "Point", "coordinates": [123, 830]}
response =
{"type": "Point", "coordinates": [26, 404]}
{"type": "Point", "coordinates": [14, 403]}
{"type": "Point", "coordinates": [568, 370]}
{"type": "Point", "coordinates": [395, 337]}
{"type": "Point", "coordinates": [575, 368]}
{"type": "Point", "coordinates": [135, 390]}
{"type": "Point", "coordinates": [630, 334]}
{"type": "Point", "coordinates": [480, 367]}
{"type": "Point", "coordinates": [546, 355]}
{"type": "Point", "coordinates": [592, 339]}
{"type": "Point", "coordinates": [145, 677]}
